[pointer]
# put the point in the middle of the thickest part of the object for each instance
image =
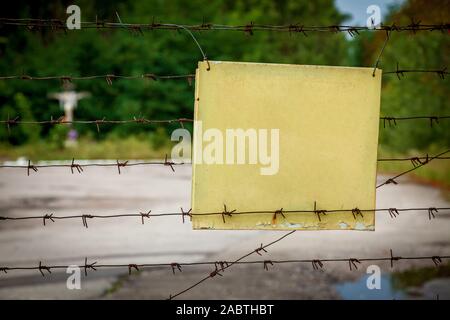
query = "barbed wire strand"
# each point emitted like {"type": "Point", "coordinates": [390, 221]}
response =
{"type": "Point", "coordinates": [393, 213]}
{"type": "Point", "coordinates": [417, 166]}
{"type": "Point", "coordinates": [79, 167]}
{"type": "Point", "coordinates": [107, 77]}
{"type": "Point", "coordinates": [258, 250]}
{"type": "Point", "coordinates": [436, 259]}
{"type": "Point", "coordinates": [98, 122]}
{"type": "Point", "coordinates": [127, 163]}
{"type": "Point", "coordinates": [390, 120]}
{"type": "Point", "coordinates": [415, 161]}
{"type": "Point", "coordinates": [401, 72]}
{"type": "Point", "coordinates": [248, 28]}
{"type": "Point", "coordinates": [190, 77]}
{"type": "Point", "coordinates": [381, 52]}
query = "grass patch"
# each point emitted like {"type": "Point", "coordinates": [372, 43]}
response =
{"type": "Point", "coordinates": [417, 277]}
{"type": "Point", "coordinates": [118, 283]}
{"type": "Point", "coordinates": [436, 172]}
{"type": "Point", "coordinates": [131, 147]}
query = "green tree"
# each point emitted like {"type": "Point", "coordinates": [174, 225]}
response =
{"type": "Point", "coordinates": [46, 52]}
{"type": "Point", "coordinates": [414, 94]}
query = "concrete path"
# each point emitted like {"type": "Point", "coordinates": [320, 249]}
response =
{"type": "Point", "coordinates": [103, 191]}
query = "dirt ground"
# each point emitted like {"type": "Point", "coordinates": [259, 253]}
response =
{"type": "Point", "coordinates": [103, 191]}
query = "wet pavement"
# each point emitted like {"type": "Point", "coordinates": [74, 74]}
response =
{"type": "Point", "coordinates": [138, 189]}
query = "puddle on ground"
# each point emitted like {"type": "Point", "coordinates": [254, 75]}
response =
{"type": "Point", "coordinates": [357, 290]}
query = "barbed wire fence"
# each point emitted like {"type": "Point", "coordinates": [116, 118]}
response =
{"type": "Point", "coordinates": [222, 265]}
{"type": "Point", "coordinates": [190, 78]}
{"type": "Point", "coordinates": [219, 266]}
{"type": "Point", "coordinates": [393, 213]}
{"type": "Point", "coordinates": [415, 161]}
{"type": "Point", "coordinates": [249, 28]}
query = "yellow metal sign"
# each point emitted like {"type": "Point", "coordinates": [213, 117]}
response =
{"type": "Point", "coordinates": [277, 138]}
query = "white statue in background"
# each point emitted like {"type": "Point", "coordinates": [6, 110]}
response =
{"type": "Point", "coordinates": [68, 100]}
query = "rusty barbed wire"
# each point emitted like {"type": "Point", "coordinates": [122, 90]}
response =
{"type": "Point", "coordinates": [317, 264]}
{"type": "Point", "coordinates": [107, 77]}
{"type": "Point", "coordinates": [415, 161]}
{"type": "Point", "coordinates": [9, 122]}
{"type": "Point", "coordinates": [229, 264]}
{"type": "Point", "coordinates": [79, 167]}
{"type": "Point", "coordinates": [392, 121]}
{"type": "Point", "coordinates": [418, 163]}
{"type": "Point", "coordinates": [441, 73]}
{"type": "Point", "coordinates": [381, 52]}
{"type": "Point", "coordinates": [393, 213]}
{"type": "Point", "coordinates": [98, 122]}
{"type": "Point", "coordinates": [189, 77]}
{"type": "Point", "coordinates": [248, 28]}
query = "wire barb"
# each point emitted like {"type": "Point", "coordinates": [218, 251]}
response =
{"type": "Point", "coordinates": [227, 213]}
{"type": "Point", "coordinates": [266, 264]}
{"type": "Point", "coordinates": [431, 212]}
{"type": "Point", "coordinates": [186, 213]}
{"type": "Point", "coordinates": [76, 166]}
{"type": "Point", "coordinates": [352, 263]}
{"type": "Point", "coordinates": [393, 258]}
{"type": "Point", "coordinates": [317, 264]}
{"type": "Point", "coordinates": [436, 260]}
{"type": "Point", "coordinates": [259, 249]}
{"type": "Point", "coordinates": [174, 266]}
{"type": "Point", "coordinates": [89, 266]}
{"type": "Point", "coordinates": [132, 266]}
{"type": "Point", "coordinates": [48, 217]}
{"type": "Point", "coordinates": [145, 215]}
{"type": "Point", "coordinates": [277, 212]}
{"type": "Point", "coordinates": [43, 268]}
{"type": "Point", "coordinates": [319, 212]}
{"type": "Point", "coordinates": [169, 163]}
{"type": "Point", "coordinates": [32, 167]}
{"type": "Point", "coordinates": [84, 218]}
{"type": "Point", "coordinates": [121, 164]}
{"type": "Point", "coordinates": [356, 212]}
{"type": "Point", "coordinates": [393, 212]}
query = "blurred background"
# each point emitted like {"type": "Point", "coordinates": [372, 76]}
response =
{"type": "Point", "coordinates": [48, 52]}
{"type": "Point", "coordinates": [44, 52]}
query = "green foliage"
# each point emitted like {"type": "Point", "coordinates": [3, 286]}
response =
{"type": "Point", "coordinates": [414, 94]}
{"type": "Point", "coordinates": [19, 107]}
{"type": "Point", "coordinates": [57, 136]}
{"type": "Point", "coordinates": [85, 52]}
{"type": "Point", "coordinates": [417, 277]}
{"type": "Point", "coordinates": [123, 52]}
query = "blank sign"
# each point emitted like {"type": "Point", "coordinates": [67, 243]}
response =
{"type": "Point", "coordinates": [326, 119]}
